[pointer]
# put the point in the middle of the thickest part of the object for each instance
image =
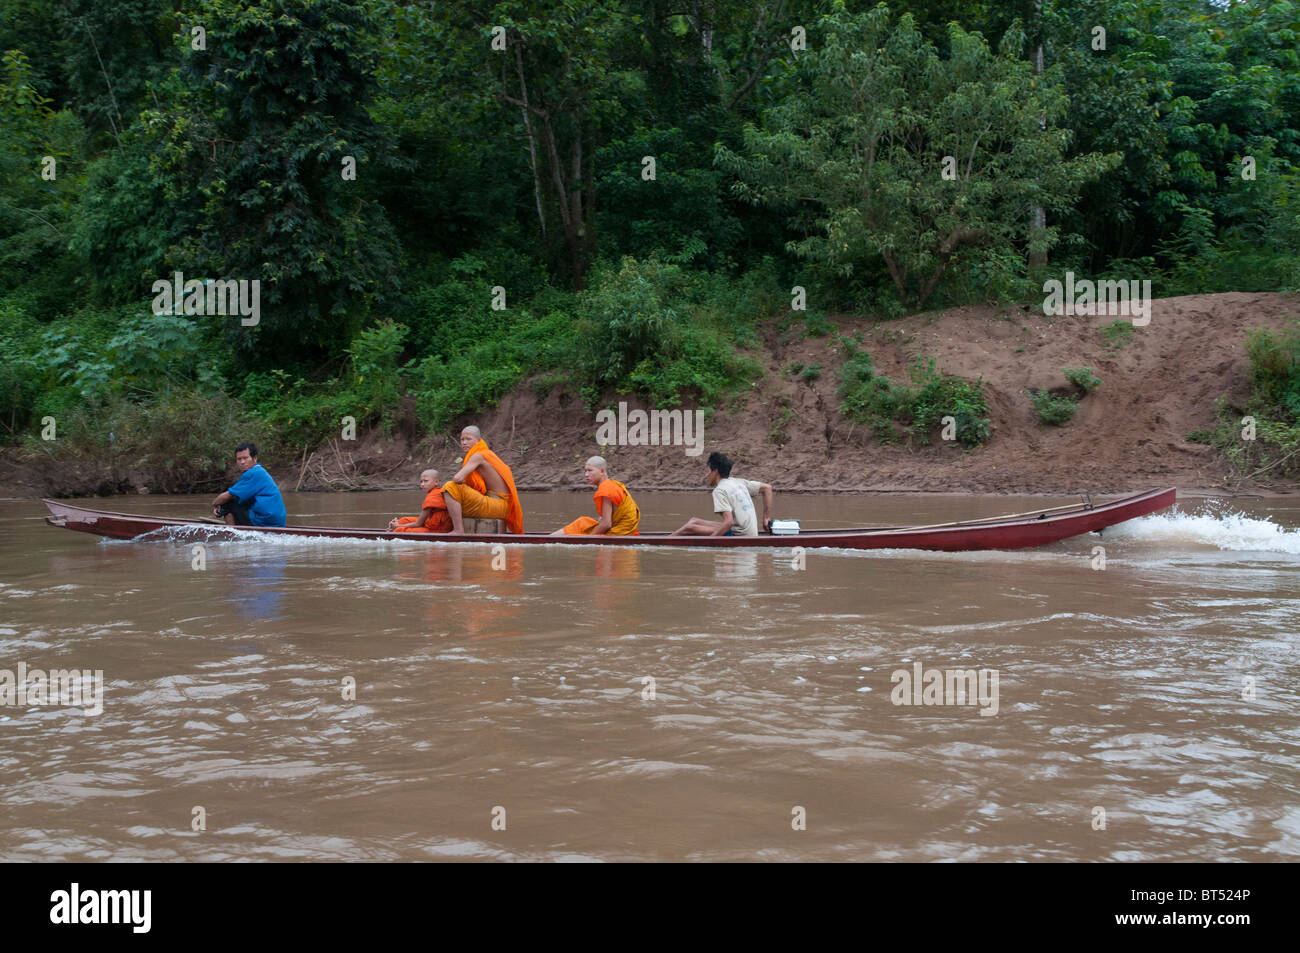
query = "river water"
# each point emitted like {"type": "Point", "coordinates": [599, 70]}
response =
{"type": "Point", "coordinates": [613, 704]}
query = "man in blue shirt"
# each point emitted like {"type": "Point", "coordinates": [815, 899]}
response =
{"type": "Point", "coordinates": [254, 500]}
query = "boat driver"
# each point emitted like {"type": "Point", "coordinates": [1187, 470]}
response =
{"type": "Point", "coordinates": [254, 500]}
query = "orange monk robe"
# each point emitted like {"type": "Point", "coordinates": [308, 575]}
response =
{"type": "Point", "coordinates": [623, 521]}
{"type": "Point", "coordinates": [514, 515]}
{"type": "Point", "coordinates": [439, 521]}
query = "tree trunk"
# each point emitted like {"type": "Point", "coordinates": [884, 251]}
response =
{"type": "Point", "coordinates": [532, 137]}
{"type": "Point", "coordinates": [1038, 215]}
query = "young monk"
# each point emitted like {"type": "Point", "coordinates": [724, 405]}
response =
{"type": "Point", "coordinates": [433, 517]}
{"type": "Point", "coordinates": [483, 488]}
{"type": "Point", "coordinates": [619, 514]}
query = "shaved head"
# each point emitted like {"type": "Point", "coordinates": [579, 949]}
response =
{"type": "Point", "coordinates": [431, 470]}
{"type": "Point", "coordinates": [473, 432]}
{"type": "Point", "coordinates": [595, 470]}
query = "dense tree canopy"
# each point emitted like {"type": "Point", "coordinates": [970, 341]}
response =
{"type": "Point", "coordinates": [441, 198]}
{"type": "Point", "coordinates": [882, 150]}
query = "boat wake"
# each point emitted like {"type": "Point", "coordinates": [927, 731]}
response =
{"type": "Point", "coordinates": [207, 533]}
{"type": "Point", "coordinates": [1210, 525]}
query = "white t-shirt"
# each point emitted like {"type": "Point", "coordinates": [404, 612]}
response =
{"type": "Point", "coordinates": [735, 496]}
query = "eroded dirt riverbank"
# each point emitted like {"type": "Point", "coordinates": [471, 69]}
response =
{"type": "Point", "coordinates": [1131, 433]}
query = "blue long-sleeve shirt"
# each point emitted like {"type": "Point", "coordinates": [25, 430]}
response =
{"type": "Point", "coordinates": [256, 488]}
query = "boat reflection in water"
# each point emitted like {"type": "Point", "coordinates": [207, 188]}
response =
{"type": "Point", "coordinates": [622, 563]}
{"type": "Point", "coordinates": [483, 597]}
{"type": "Point", "coordinates": [736, 564]}
{"type": "Point", "coordinates": [617, 575]}
{"type": "Point", "coordinates": [259, 595]}
{"type": "Point", "coordinates": [461, 565]}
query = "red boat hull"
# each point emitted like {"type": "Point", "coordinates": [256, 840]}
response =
{"type": "Point", "coordinates": [1016, 532]}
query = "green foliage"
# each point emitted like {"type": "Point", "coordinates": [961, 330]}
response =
{"type": "Point", "coordinates": [855, 152]}
{"type": "Point", "coordinates": [376, 375]}
{"type": "Point", "coordinates": [249, 147]}
{"type": "Point", "coordinates": [152, 353]}
{"type": "Point", "coordinates": [811, 373]}
{"type": "Point", "coordinates": [876, 401]}
{"type": "Point", "coordinates": [112, 51]}
{"type": "Point", "coordinates": [226, 162]}
{"type": "Point", "coordinates": [1274, 451]}
{"type": "Point", "coordinates": [1082, 378]}
{"type": "Point", "coordinates": [448, 388]}
{"type": "Point", "coordinates": [779, 432]}
{"type": "Point", "coordinates": [1187, 90]}
{"type": "Point", "coordinates": [558, 84]}
{"type": "Point", "coordinates": [1056, 410]}
{"type": "Point", "coordinates": [22, 379]}
{"type": "Point", "coordinates": [1275, 372]}
{"type": "Point", "coordinates": [450, 308]}
{"type": "Point", "coordinates": [1052, 410]}
{"type": "Point", "coordinates": [941, 395]}
{"type": "Point", "coordinates": [817, 326]}
{"type": "Point", "coordinates": [865, 397]}
{"type": "Point", "coordinates": [1116, 334]}
{"type": "Point", "coordinates": [681, 215]}
{"type": "Point", "coordinates": [182, 441]}
{"type": "Point", "coordinates": [95, 355]}
{"type": "Point", "coordinates": [626, 320]}
{"type": "Point", "coordinates": [857, 368]}
{"type": "Point", "coordinates": [630, 339]}
{"type": "Point", "coordinates": [35, 143]}
{"type": "Point", "coordinates": [301, 414]}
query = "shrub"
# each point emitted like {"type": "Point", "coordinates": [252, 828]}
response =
{"type": "Point", "coordinates": [626, 320]}
{"type": "Point", "coordinates": [1082, 378]}
{"type": "Point", "coordinates": [1052, 410]}
{"type": "Point", "coordinates": [447, 388]}
{"type": "Point", "coordinates": [450, 308]}
{"type": "Point", "coordinates": [865, 397]}
{"type": "Point", "coordinates": [1116, 334]}
{"type": "Point", "coordinates": [376, 375]}
{"type": "Point", "coordinates": [22, 379]}
{"type": "Point", "coordinates": [181, 441]}
{"type": "Point", "coordinates": [942, 395]}
{"type": "Point", "coordinates": [1274, 403]}
{"type": "Point", "coordinates": [857, 369]}
{"type": "Point", "coordinates": [702, 363]}
{"type": "Point", "coordinates": [629, 338]}
{"type": "Point", "coordinates": [817, 326]}
{"type": "Point", "coordinates": [1275, 371]}
{"type": "Point", "coordinates": [876, 401]}
{"type": "Point", "coordinates": [301, 414]}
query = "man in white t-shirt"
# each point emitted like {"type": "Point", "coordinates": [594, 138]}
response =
{"type": "Point", "coordinates": [733, 500]}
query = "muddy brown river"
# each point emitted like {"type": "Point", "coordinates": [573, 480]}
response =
{"type": "Point", "coordinates": [316, 699]}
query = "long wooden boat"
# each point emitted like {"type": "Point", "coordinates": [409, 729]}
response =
{"type": "Point", "coordinates": [1016, 531]}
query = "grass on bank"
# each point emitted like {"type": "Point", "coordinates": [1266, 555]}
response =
{"type": "Point", "coordinates": [1261, 438]}
{"type": "Point", "coordinates": [895, 411]}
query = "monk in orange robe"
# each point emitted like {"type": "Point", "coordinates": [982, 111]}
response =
{"type": "Point", "coordinates": [619, 514]}
{"type": "Point", "coordinates": [483, 488]}
{"type": "Point", "coordinates": [433, 516]}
